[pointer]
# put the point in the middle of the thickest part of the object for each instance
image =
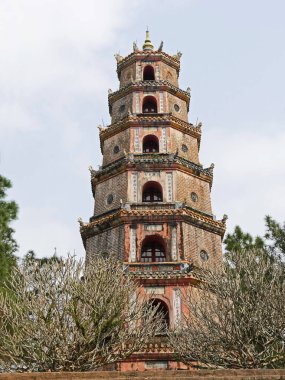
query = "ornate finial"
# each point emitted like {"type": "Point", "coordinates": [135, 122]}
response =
{"type": "Point", "coordinates": [212, 165]}
{"type": "Point", "coordinates": [160, 46]}
{"type": "Point", "coordinates": [135, 47]}
{"type": "Point", "coordinates": [92, 171]}
{"type": "Point", "coordinates": [188, 90]}
{"type": "Point", "coordinates": [177, 56]}
{"type": "Point", "coordinates": [110, 91]}
{"type": "Point", "coordinates": [80, 221]}
{"type": "Point", "coordinates": [225, 218]}
{"type": "Point", "coordinates": [100, 127]}
{"type": "Point", "coordinates": [118, 57]}
{"type": "Point", "coordinates": [147, 43]}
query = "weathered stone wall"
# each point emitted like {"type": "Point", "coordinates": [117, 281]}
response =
{"type": "Point", "coordinates": [178, 139]}
{"type": "Point", "coordinates": [225, 374]}
{"type": "Point", "coordinates": [117, 187]}
{"type": "Point", "coordinates": [122, 140]}
{"type": "Point", "coordinates": [121, 107]}
{"type": "Point", "coordinates": [128, 74]}
{"type": "Point", "coordinates": [195, 240]}
{"type": "Point", "coordinates": [109, 241]}
{"type": "Point", "coordinates": [182, 113]}
{"type": "Point", "coordinates": [168, 73]}
{"type": "Point", "coordinates": [185, 185]}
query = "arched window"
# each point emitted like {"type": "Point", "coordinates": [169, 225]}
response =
{"type": "Point", "coordinates": [152, 192]}
{"type": "Point", "coordinates": [149, 105]}
{"type": "Point", "coordinates": [153, 250]}
{"type": "Point", "coordinates": [148, 73]}
{"type": "Point", "coordinates": [150, 144]}
{"type": "Point", "coordinates": [162, 310]}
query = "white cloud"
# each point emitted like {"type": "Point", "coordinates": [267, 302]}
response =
{"type": "Point", "coordinates": [249, 174]}
{"type": "Point", "coordinates": [43, 229]}
{"type": "Point", "coordinates": [54, 76]}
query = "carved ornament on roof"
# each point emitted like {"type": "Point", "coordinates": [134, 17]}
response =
{"type": "Point", "coordinates": [161, 119]}
{"type": "Point", "coordinates": [154, 55]}
{"type": "Point", "coordinates": [165, 159]}
{"type": "Point", "coordinates": [206, 221]}
{"type": "Point", "coordinates": [157, 84]}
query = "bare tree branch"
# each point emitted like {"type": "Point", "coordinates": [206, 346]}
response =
{"type": "Point", "coordinates": [65, 317]}
{"type": "Point", "coordinates": [236, 316]}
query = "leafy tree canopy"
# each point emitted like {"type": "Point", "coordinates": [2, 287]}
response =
{"type": "Point", "coordinates": [8, 245]}
{"type": "Point", "coordinates": [272, 243]}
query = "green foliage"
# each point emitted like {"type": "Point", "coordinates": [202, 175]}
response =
{"type": "Point", "coordinates": [273, 243]}
{"type": "Point", "coordinates": [275, 234]}
{"type": "Point", "coordinates": [30, 258]}
{"type": "Point", "coordinates": [8, 245]}
{"type": "Point", "coordinates": [240, 240]}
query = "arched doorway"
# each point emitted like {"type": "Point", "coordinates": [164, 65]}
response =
{"type": "Point", "coordinates": [150, 144]}
{"type": "Point", "coordinates": [152, 192]}
{"type": "Point", "coordinates": [149, 105]}
{"type": "Point", "coordinates": [153, 250]}
{"type": "Point", "coordinates": [148, 73]}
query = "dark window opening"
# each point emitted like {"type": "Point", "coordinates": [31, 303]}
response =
{"type": "Point", "coordinates": [161, 311]}
{"type": "Point", "coordinates": [148, 73]}
{"type": "Point", "coordinates": [153, 250]}
{"type": "Point", "coordinates": [150, 144]}
{"type": "Point", "coordinates": [152, 192]}
{"type": "Point", "coordinates": [149, 105]}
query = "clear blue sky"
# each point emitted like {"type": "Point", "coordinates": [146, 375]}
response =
{"type": "Point", "coordinates": [57, 64]}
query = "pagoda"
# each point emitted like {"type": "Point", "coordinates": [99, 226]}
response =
{"type": "Point", "coordinates": [152, 195]}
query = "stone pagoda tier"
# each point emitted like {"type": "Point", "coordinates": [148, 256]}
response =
{"type": "Point", "coordinates": [152, 195]}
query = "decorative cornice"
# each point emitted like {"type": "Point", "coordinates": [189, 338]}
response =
{"type": "Point", "coordinates": [126, 215]}
{"type": "Point", "coordinates": [165, 119]}
{"type": "Point", "coordinates": [172, 61]}
{"type": "Point", "coordinates": [153, 85]}
{"type": "Point", "coordinates": [159, 160]}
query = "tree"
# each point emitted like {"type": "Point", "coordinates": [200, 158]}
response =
{"type": "Point", "coordinates": [273, 241]}
{"type": "Point", "coordinates": [236, 316]}
{"type": "Point", "coordinates": [240, 240]}
{"type": "Point", "coordinates": [67, 317]}
{"type": "Point", "coordinates": [8, 245]}
{"type": "Point", "coordinates": [275, 235]}
{"type": "Point", "coordinates": [30, 257]}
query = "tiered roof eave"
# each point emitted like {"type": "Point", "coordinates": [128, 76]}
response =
{"type": "Point", "coordinates": [161, 119]}
{"type": "Point", "coordinates": [171, 60]}
{"type": "Point", "coordinates": [154, 85]}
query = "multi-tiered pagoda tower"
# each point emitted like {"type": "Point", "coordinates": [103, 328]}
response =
{"type": "Point", "coordinates": [152, 195]}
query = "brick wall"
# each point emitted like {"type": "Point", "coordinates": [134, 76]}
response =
{"type": "Point", "coordinates": [175, 142]}
{"type": "Point", "coordinates": [182, 113]}
{"type": "Point", "coordinates": [185, 184]}
{"type": "Point", "coordinates": [128, 74]}
{"type": "Point", "coordinates": [117, 112]}
{"type": "Point", "coordinates": [149, 375]}
{"type": "Point", "coordinates": [196, 239]}
{"type": "Point", "coordinates": [110, 241]}
{"type": "Point", "coordinates": [168, 73]}
{"type": "Point", "coordinates": [117, 186]}
{"type": "Point", "coordinates": [122, 140]}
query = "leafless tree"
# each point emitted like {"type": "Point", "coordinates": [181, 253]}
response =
{"type": "Point", "coordinates": [61, 316]}
{"type": "Point", "coordinates": [236, 316]}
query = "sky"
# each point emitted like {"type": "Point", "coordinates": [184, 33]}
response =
{"type": "Point", "coordinates": [57, 64]}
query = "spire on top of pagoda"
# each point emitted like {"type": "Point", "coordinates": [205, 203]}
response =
{"type": "Point", "coordinates": [147, 43]}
